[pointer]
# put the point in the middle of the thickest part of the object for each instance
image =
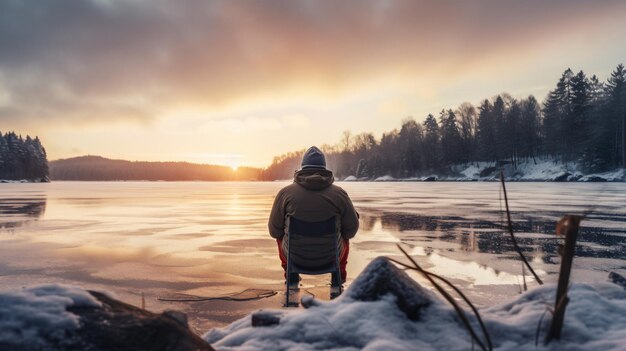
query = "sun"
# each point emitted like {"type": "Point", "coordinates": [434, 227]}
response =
{"type": "Point", "coordinates": [234, 168]}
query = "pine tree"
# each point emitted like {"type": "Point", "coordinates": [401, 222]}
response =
{"type": "Point", "coordinates": [431, 148]}
{"type": "Point", "coordinates": [410, 142]}
{"type": "Point", "coordinates": [362, 171]}
{"type": "Point", "coordinates": [616, 93]}
{"type": "Point", "coordinates": [501, 142]}
{"type": "Point", "coordinates": [596, 90]}
{"type": "Point", "coordinates": [576, 127]}
{"type": "Point", "coordinates": [390, 154]}
{"type": "Point", "coordinates": [451, 144]}
{"type": "Point", "coordinates": [42, 159]}
{"type": "Point", "coordinates": [551, 124]}
{"type": "Point", "coordinates": [4, 154]}
{"type": "Point", "coordinates": [529, 130]}
{"type": "Point", "coordinates": [485, 132]}
{"type": "Point", "coordinates": [512, 131]}
{"type": "Point", "coordinates": [564, 99]}
{"type": "Point", "coordinates": [467, 125]}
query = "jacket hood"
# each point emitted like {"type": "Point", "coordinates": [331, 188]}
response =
{"type": "Point", "coordinates": [314, 179]}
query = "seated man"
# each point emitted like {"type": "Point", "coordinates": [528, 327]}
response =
{"type": "Point", "coordinates": [313, 197]}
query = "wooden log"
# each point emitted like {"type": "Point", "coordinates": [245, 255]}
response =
{"type": "Point", "coordinates": [567, 226]}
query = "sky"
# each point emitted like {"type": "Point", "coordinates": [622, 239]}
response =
{"type": "Point", "coordinates": [237, 82]}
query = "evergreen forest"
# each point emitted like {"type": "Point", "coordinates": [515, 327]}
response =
{"type": "Point", "coordinates": [22, 158]}
{"type": "Point", "coordinates": [581, 120]}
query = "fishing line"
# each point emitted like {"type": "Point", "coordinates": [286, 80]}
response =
{"type": "Point", "coordinates": [244, 295]}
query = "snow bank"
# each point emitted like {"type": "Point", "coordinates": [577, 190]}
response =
{"type": "Point", "coordinates": [38, 314]}
{"type": "Point", "coordinates": [386, 178]}
{"type": "Point", "coordinates": [611, 176]}
{"type": "Point", "coordinates": [543, 170]}
{"type": "Point", "coordinates": [539, 170]}
{"type": "Point", "coordinates": [472, 171]}
{"type": "Point", "coordinates": [529, 170]}
{"type": "Point", "coordinates": [595, 320]}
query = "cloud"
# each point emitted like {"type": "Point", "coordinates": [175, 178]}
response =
{"type": "Point", "coordinates": [252, 125]}
{"type": "Point", "coordinates": [82, 61]}
{"type": "Point", "coordinates": [296, 121]}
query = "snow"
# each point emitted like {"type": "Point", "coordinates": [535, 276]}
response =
{"type": "Point", "coordinates": [611, 176]}
{"type": "Point", "coordinates": [386, 178]}
{"type": "Point", "coordinates": [543, 170]}
{"type": "Point", "coordinates": [350, 179]}
{"type": "Point", "coordinates": [540, 169]}
{"type": "Point", "coordinates": [360, 319]}
{"type": "Point", "coordinates": [595, 320]}
{"type": "Point", "coordinates": [528, 170]}
{"type": "Point", "coordinates": [39, 313]}
{"type": "Point", "coordinates": [473, 170]}
{"type": "Point", "coordinates": [366, 317]}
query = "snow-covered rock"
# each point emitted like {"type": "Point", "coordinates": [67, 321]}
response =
{"type": "Point", "coordinates": [60, 317]}
{"type": "Point", "coordinates": [595, 320]}
{"type": "Point", "coordinates": [38, 316]}
{"type": "Point", "coordinates": [350, 179]}
{"type": "Point", "coordinates": [381, 278]}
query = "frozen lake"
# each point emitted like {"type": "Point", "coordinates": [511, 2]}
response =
{"type": "Point", "coordinates": [208, 239]}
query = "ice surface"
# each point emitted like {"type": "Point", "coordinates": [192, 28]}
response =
{"type": "Point", "coordinates": [210, 239]}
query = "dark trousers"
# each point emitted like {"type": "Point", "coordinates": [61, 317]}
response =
{"type": "Point", "coordinates": [343, 257]}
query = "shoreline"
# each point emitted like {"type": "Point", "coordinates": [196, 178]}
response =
{"type": "Point", "coordinates": [384, 307]}
{"type": "Point", "coordinates": [397, 180]}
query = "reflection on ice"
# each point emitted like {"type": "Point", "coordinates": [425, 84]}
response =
{"type": "Point", "coordinates": [535, 235]}
{"type": "Point", "coordinates": [473, 273]}
{"type": "Point", "coordinates": [16, 212]}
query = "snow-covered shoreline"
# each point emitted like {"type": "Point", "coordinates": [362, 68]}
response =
{"type": "Point", "coordinates": [19, 181]}
{"type": "Point", "coordinates": [383, 309]}
{"type": "Point", "coordinates": [542, 170]}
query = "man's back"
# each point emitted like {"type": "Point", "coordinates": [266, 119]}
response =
{"type": "Point", "coordinates": [313, 197]}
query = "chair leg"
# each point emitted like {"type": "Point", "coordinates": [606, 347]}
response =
{"type": "Point", "coordinates": [289, 282]}
{"type": "Point", "coordinates": [336, 288]}
{"type": "Point", "coordinates": [335, 285]}
{"type": "Point", "coordinates": [287, 274]}
{"type": "Point", "coordinates": [292, 292]}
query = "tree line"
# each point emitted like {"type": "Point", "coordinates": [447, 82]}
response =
{"type": "Point", "coordinates": [22, 158]}
{"type": "Point", "coordinates": [96, 168]}
{"type": "Point", "coordinates": [581, 120]}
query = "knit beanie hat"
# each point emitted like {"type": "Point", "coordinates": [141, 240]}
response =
{"type": "Point", "coordinates": [313, 159]}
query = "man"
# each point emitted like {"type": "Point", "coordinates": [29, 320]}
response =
{"type": "Point", "coordinates": [313, 197]}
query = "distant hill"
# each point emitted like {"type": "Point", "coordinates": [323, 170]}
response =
{"type": "Point", "coordinates": [100, 168]}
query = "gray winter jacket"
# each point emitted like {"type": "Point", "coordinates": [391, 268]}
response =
{"type": "Point", "coordinates": [313, 197]}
